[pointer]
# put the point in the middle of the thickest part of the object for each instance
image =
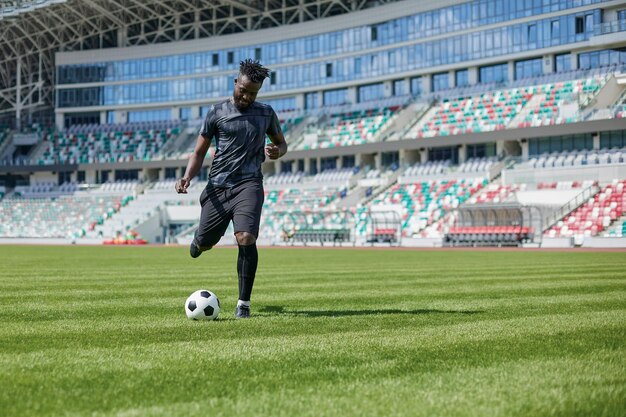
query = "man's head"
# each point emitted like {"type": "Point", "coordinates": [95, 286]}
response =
{"type": "Point", "coordinates": [248, 83]}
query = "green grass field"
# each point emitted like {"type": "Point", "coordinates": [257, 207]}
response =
{"type": "Point", "coordinates": [101, 331]}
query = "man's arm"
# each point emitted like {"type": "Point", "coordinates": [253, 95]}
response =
{"type": "Point", "coordinates": [194, 164]}
{"type": "Point", "coordinates": [278, 147]}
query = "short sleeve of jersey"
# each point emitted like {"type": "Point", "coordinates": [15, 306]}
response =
{"type": "Point", "coordinates": [273, 128]}
{"type": "Point", "coordinates": [208, 127]}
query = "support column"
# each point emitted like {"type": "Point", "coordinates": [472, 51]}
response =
{"type": "Point", "coordinates": [574, 62]}
{"type": "Point", "coordinates": [378, 161]}
{"type": "Point", "coordinates": [472, 75]}
{"type": "Point", "coordinates": [352, 95]}
{"type": "Point", "coordinates": [423, 155]}
{"type": "Point", "coordinates": [388, 88]}
{"type": "Point", "coordinates": [548, 64]}
{"type": "Point", "coordinates": [499, 148]}
{"type": "Point", "coordinates": [59, 120]}
{"type": "Point", "coordinates": [300, 102]}
{"type": "Point", "coordinates": [462, 153]}
{"type": "Point", "coordinates": [596, 141]}
{"type": "Point", "coordinates": [524, 146]}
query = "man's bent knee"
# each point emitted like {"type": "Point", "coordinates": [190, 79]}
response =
{"type": "Point", "coordinates": [245, 238]}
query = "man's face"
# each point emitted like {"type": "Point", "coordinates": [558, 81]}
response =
{"type": "Point", "coordinates": [245, 92]}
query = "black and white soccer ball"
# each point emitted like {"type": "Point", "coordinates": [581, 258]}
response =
{"type": "Point", "coordinates": [202, 305]}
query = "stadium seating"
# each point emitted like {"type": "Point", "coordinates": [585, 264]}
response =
{"type": "Point", "coordinates": [494, 193]}
{"type": "Point", "coordinates": [595, 215]}
{"type": "Point", "coordinates": [577, 158]}
{"type": "Point", "coordinates": [427, 168]}
{"type": "Point", "coordinates": [108, 143]}
{"type": "Point", "coordinates": [478, 164]}
{"type": "Point", "coordinates": [484, 113]}
{"type": "Point", "coordinates": [489, 235]}
{"type": "Point", "coordinates": [496, 110]}
{"type": "Point", "coordinates": [353, 128]}
{"type": "Point", "coordinates": [551, 96]}
{"type": "Point", "coordinates": [63, 217]}
{"type": "Point", "coordinates": [423, 203]}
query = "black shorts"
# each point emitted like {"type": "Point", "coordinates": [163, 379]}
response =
{"type": "Point", "coordinates": [242, 204]}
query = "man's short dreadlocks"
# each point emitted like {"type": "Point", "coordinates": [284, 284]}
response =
{"type": "Point", "coordinates": [253, 70]}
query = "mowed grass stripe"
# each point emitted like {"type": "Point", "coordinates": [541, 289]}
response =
{"type": "Point", "coordinates": [429, 353]}
{"type": "Point", "coordinates": [101, 331]}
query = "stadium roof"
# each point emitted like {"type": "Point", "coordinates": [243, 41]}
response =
{"type": "Point", "coordinates": [32, 31]}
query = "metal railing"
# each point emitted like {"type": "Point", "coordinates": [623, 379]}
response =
{"type": "Point", "coordinates": [570, 206]}
{"type": "Point", "coordinates": [609, 27]}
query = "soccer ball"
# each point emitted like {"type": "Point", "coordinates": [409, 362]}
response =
{"type": "Point", "coordinates": [202, 305]}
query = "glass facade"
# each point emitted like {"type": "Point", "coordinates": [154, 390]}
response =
{"type": "Point", "coordinates": [603, 58]}
{"type": "Point", "coordinates": [416, 86]}
{"type": "Point", "coordinates": [562, 62]}
{"type": "Point", "coordinates": [481, 150]}
{"type": "Point", "coordinates": [149, 115]}
{"type": "Point", "coordinates": [281, 104]}
{"type": "Point", "coordinates": [336, 97]}
{"type": "Point", "coordinates": [371, 92]}
{"type": "Point", "coordinates": [207, 75]}
{"type": "Point", "coordinates": [461, 78]}
{"type": "Point", "coordinates": [580, 142]}
{"type": "Point", "coordinates": [311, 101]}
{"type": "Point", "coordinates": [613, 139]}
{"type": "Point", "coordinates": [399, 88]}
{"type": "Point", "coordinates": [528, 68]}
{"type": "Point", "coordinates": [440, 81]}
{"type": "Point", "coordinates": [493, 73]}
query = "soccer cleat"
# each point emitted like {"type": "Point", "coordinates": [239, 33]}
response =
{"type": "Point", "coordinates": [242, 312]}
{"type": "Point", "coordinates": [194, 251]}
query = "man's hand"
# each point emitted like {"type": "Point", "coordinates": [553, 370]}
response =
{"type": "Point", "coordinates": [272, 151]}
{"type": "Point", "coordinates": [181, 185]}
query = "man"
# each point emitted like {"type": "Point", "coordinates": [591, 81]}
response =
{"type": "Point", "coordinates": [235, 187]}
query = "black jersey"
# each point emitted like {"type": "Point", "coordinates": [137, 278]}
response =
{"type": "Point", "coordinates": [239, 140]}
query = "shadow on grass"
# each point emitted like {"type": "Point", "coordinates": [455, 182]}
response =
{"type": "Point", "coordinates": [343, 313]}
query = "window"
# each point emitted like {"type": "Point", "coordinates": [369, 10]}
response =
{"type": "Point", "coordinates": [481, 150]}
{"type": "Point", "coordinates": [555, 29]}
{"type": "Point", "coordinates": [528, 68]}
{"type": "Point", "coordinates": [184, 113]}
{"type": "Point", "coordinates": [374, 33]}
{"type": "Point", "coordinates": [80, 177]}
{"type": "Point", "coordinates": [357, 66]}
{"type": "Point", "coordinates": [580, 25]}
{"type": "Point", "coordinates": [399, 88]}
{"type": "Point", "coordinates": [371, 92]}
{"type": "Point", "coordinates": [170, 173]}
{"type": "Point", "coordinates": [230, 57]}
{"type": "Point", "coordinates": [440, 81]}
{"type": "Point", "coordinates": [589, 23]}
{"type": "Point", "coordinates": [562, 63]}
{"type": "Point", "coordinates": [257, 54]}
{"type": "Point", "coordinates": [494, 73]}
{"type": "Point", "coordinates": [613, 139]}
{"type": "Point", "coordinates": [416, 86]}
{"type": "Point", "coordinates": [462, 78]}
{"type": "Point", "coordinates": [216, 60]}
{"type": "Point", "coordinates": [329, 70]}
{"type": "Point", "coordinates": [532, 33]}
{"type": "Point", "coordinates": [335, 97]}
{"type": "Point", "coordinates": [272, 77]}
{"type": "Point", "coordinates": [311, 101]}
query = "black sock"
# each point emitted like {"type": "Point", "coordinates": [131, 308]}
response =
{"type": "Point", "coordinates": [246, 269]}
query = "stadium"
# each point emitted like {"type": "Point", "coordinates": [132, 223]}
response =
{"type": "Point", "coordinates": [444, 236]}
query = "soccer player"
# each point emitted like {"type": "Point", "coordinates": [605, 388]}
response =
{"type": "Point", "coordinates": [235, 187]}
